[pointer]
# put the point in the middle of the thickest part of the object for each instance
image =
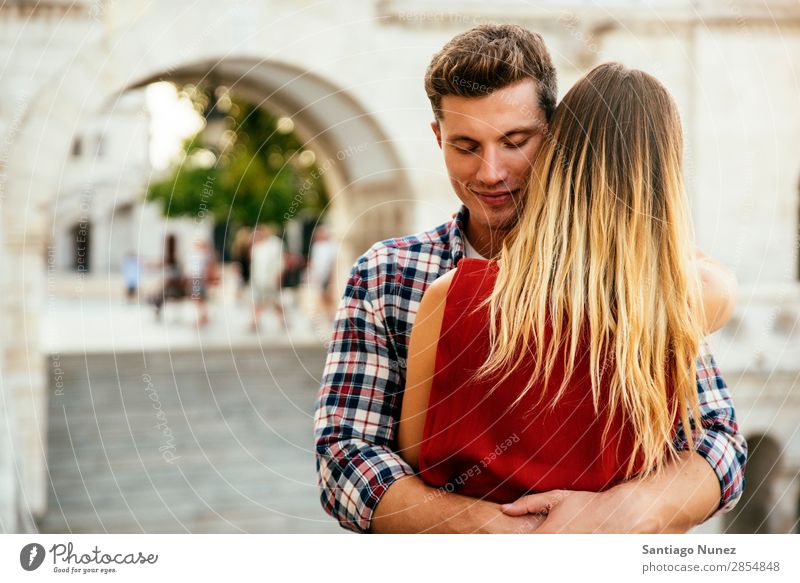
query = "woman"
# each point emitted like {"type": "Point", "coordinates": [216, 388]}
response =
{"type": "Point", "coordinates": [567, 361]}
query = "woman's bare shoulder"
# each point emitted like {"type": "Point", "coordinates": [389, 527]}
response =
{"type": "Point", "coordinates": [437, 291]}
{"type": "Point", "coordinates": [440, 286]}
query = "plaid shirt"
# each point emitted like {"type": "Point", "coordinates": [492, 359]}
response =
{"type": "Point", "coordinates": [359, 403]}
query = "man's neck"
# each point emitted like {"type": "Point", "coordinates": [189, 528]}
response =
{"type": "Point", "coordinates": [485, 241]}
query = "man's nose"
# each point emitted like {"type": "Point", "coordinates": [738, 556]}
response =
{"type": "Point", "coordinates": [492, 170]}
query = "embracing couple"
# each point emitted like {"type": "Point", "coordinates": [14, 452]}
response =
{"type": "Point", "coordinates": [536, 364]}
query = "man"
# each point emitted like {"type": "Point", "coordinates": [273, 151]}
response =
{"type": "Point", "coordinates": [200, 268]}
{"type": "Point", "coordinates": [266, 266]}
{"type": "Point", "coordinates": [320, 272]}
{"type": "Point", "coordinates": [493, 90]}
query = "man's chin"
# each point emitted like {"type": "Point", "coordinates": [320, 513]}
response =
{"type": "Point", "coordinates": [504, 218]}
{"type": "Point", "coordinates": [500, 224]}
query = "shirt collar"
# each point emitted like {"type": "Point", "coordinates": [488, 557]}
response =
{"type": "Point", "coordinates": [457, 235]}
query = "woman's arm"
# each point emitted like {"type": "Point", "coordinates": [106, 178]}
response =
{"type": "Point", "coordinates": [718, 289]}
{"type": "Point", "coordinates": [420, 369]}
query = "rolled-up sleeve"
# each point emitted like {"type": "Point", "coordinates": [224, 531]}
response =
{"type": "Point", "coordinates": [357, 410]}
{"type": "Point", "coordinates": [720, 442]}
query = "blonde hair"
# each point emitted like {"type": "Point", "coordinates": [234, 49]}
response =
{"type": "Point", "coordinates": [603, 252]}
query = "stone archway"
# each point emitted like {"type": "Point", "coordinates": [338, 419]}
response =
{"type": "Point", "coordinates": [364, 177]}
{"type": "Point", "coordinates": [361, 169]}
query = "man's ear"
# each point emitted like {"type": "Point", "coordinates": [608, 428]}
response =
{"type": "Point", "coordinates": [545, 128]}
{"type": "Point", "coordinates": [437, 131]}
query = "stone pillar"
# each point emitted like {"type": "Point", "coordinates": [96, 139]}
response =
{"type": "Point", "coordinates": [8, 473]}
{"type": "Point", "coordinates": [25, 222]}
{"type": "Point", "coordinates": [23, 406]}
{"type": "Point", "coordinates": [8, 486]}
{"type": "Point", "coordinates": [25, 373]}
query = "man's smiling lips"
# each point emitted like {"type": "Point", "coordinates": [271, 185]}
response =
{"type": "Point", "coordinates": [496, 198]}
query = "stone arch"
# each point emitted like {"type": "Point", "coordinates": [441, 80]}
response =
{"type": "Point", "coordinates": [365, 178]}
{"type": "Point", "coordinates": [361, 169]}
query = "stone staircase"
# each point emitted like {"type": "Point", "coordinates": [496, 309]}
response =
{"type": "Point", "coordinates": [192, 441]}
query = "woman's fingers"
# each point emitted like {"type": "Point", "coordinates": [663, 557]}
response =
{"type": "Point", "coordinates": [540, 503]}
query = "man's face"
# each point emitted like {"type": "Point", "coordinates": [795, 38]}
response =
{"type": "Point", "coordinates": [489, 143]}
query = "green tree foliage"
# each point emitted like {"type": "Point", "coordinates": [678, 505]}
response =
{"type": "Point", "coordinates": [260, 172]}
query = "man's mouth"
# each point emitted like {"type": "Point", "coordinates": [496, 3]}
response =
{"type": "Point", "coordinates": [496, 198]}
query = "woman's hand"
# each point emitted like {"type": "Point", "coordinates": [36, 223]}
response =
{"type": "Point", "coordinates": [576, 511]}
{"type": "Point", "coordinates": [684, 495]}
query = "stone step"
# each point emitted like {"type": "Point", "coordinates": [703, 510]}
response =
{"type": "Point", "coordinates": [241, 424]}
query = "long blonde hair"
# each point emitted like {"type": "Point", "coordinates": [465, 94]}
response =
{"type": "Point", "coordinates": [603, 252]}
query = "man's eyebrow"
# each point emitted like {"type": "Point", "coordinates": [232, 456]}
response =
{"type": "Point", "coordinates": [522, 130]}
{"type": "Point", "coordinates": [519, 130]}
{"type": "Point", "coordinates": [459, 138]}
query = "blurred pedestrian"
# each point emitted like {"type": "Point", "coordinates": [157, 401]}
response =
{"type": "Point", "coordinates": [266, 267]}
{"type": "Point", "coordinates": [201, 272]}
{"type": "Point", "coordinates": [241, 251]}
{"type": "Point", "coordinates": [131, 273]}
{"type": "Point", "coordinates": [172, 287]}
{"type": "Point", "coordinates": [320, 272]}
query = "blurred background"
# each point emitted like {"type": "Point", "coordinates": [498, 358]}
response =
{"type": "Point", "coordinates": [185, 185]}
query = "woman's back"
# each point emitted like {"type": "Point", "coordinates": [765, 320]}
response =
{"type": "Point", "coordinates": [477, 444]}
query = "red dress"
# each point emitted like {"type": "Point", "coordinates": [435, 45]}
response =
{"type": "Point", "coordinates": [474, 445]}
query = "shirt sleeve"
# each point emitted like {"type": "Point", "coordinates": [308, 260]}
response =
{"type": "Point", "coordinates": [357, 411]}
{"type": "Point", "coordinates": [720, 443]}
